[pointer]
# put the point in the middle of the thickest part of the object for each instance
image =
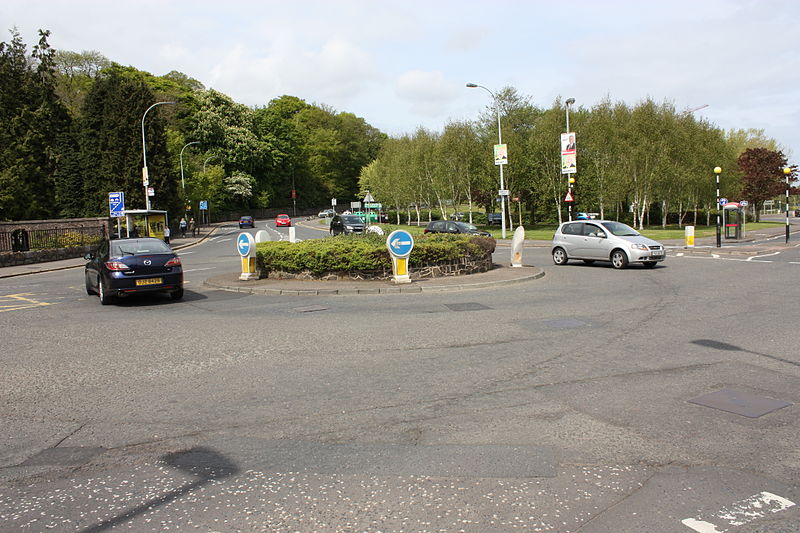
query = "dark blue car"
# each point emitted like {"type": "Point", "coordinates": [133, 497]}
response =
{"type": "Point", "coordinates": [120, 267]}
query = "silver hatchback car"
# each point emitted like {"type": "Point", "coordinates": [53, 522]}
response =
{"type": "Point", "coordinates": [604, 240]}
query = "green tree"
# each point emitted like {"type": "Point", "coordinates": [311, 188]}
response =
{"type": "Point", "coordinates": [762, 174]}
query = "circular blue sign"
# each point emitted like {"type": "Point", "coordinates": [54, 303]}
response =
{"type": "Point", "coordinates": [400, 243]}
{"type": "Point", "coordinates": [244, 243]}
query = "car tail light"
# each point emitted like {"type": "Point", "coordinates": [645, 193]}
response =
{"type": "Point", "coordinates": [174, 262]}
{"type": "Point", "coordinates": [425, 230]}
{"type": "Point", "coordinates": [116, 265]}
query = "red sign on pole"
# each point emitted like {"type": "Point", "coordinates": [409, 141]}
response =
{"type": "Point", "coordinates": [568, 197]}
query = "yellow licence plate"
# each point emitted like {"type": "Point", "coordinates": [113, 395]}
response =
{"type": "Point", "coordinates": [149, 281]}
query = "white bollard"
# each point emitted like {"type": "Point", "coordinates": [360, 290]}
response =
{"type": "Point", "coordinates": [262, 236]}
{"type": "Point", "coordinates": [291, 234]}
{"type": "Point", "coordinates": [516, 246]}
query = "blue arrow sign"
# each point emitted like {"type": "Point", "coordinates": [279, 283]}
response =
{"type": "Point", "coordinates": [116, 204]}
{"type": "Point", "coordinates": [723, 201]}
{"type": "Point", "coordinates": [400, 243]}
{"type": "Point", "coordinates": [243, 243]}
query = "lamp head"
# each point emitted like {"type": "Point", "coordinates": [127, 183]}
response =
{"type": "Point", "coordinates": [717, 170]}
{"type": "Point", "coordinates": [570, 101]}
{"type": "Point", "coordinates": [472, 85]}
{"type": "Point", "coordinates": [787, 170]}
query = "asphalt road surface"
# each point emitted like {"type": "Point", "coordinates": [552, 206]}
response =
{"type": "Point", "coordinates": [590, 400]}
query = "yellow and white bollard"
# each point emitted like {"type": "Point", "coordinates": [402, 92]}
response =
{"type": "Point", "coordinates": [246, 245]}
{"type": "Point", "coordinates": [690, 236]}
{"type": "Point", "coordinates": [400, 243]}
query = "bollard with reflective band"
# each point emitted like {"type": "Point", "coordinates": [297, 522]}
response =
{"type": "Point", "coordinates": [690, 236]}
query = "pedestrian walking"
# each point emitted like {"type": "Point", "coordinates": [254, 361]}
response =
{"type": "Point", "coordinates": [192, 227]}
{"type": "Point", "coordinates": [166, 234]}
{"type": "Point", "coordinates": [183, 225]}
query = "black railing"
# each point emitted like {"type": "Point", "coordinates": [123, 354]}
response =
{"type": "Point", "coordinates": [23, 240]}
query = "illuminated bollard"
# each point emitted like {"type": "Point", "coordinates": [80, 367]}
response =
{"type": "Point", "coordinates": [516, 246]}
{"type": "Point", "coordinates": [690, 236]}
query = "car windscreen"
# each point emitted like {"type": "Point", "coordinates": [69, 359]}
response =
{"type": "Point", "coordinates": [139, 247]}
{"type": "Point", "coordinates": [621, 230]}
{"type": "Point", "coordinates": [466, 226]}
{"type": "Point", "coordinates": [352, 219]}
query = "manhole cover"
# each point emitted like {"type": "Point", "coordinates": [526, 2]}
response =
{"type": "Point", "coordinates": [740, 403]}
{"type": "Point", "coordinates": [566, 323]}
{"type": "Point", "coordinates": [310, 309]}
{"type": "Point", "coordinates": [66, 456]}
{"type": "Point", "coordinates": [468, 306]}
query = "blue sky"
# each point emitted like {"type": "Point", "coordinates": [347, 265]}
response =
{"type": "Point", "coordinates": [404, 64]}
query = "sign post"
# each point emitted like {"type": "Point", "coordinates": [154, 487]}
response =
{"type": "Point", "coordinates": [116, 208]}
{"type": "Point", "coordinates": [400, 243]}
{"type": "Point", "coordinates": [246, 245]}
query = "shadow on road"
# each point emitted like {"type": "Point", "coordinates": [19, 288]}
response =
{"type": "Point", "coordinates": [204, 463]}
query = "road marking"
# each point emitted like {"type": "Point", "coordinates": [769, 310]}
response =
{"type": "Point", "coordinates": [225, 240]}
{"type": "Point", "coordinates": [199, 269]}
{"type": "Point", "coordinates": [741, 512]}
{"type": "Point", "coordinates": [765, 255]}
{"type": "Point", "coordinates": [16, 302]}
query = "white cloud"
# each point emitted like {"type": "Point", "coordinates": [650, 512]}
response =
{"type": "Point", "coordinates": [428, 93]}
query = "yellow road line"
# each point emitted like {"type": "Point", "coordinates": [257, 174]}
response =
{"type": "Point", "coordinates": [19, 302]}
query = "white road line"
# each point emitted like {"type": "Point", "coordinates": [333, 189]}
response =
{"type": "Point", "coordinates": [225, 240]}
{"type": "Point", "coordinates": [185, 253]}
{"type": "Point", "coordinates": [199, 269]}
{"type": "Point", "coordinates": [765, 255]}
{"type": "Point", "coordinates": [741, 512]}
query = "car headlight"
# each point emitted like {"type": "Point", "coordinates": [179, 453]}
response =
{"type": "Point", "coordinates": [349, 227]}
{"type": "Point", "coordinates": [636, 246]}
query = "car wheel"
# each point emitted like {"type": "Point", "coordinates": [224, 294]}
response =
{"type": "Point", "coordinates": [589, 261]}
{"type": "Point", "coordinates": [618, 259]}
{"type": "Point", "coordinates": [560, 256]}
{"type": "Point", "coordinates": [650, 264]}
{"type": "Point", "coordinates": [105, 297]}
{"type": "Point", "coordinates": [176, 295]}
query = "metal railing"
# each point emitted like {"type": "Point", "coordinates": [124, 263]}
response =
{"type": "Point", "coordinates": [23, 240]}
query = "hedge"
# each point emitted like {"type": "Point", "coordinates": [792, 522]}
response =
{"type": "Point", "coordinates": [348, 253]}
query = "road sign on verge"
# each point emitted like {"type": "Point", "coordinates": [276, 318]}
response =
{"type": "Point", "coordinates": [116, 204]}
{"type": "Point", "coordinates": [723, 201]}
{"type": "Point", "coordinates": [203, 205]}
{"type": "Point", "coordinates": [744, 203]}
{"type": "Point", "coordinates": [569, 197]}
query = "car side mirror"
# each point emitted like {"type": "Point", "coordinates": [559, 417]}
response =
{"type": "Point", "coordinates": [88, 256]}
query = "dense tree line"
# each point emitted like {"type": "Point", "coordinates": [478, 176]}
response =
{"type": "Point", "coordinates": [75, 134]}
{"type": "Point", "coordinates": [72, 133]}
{"type": "Point", "coordinates": [648, 163]}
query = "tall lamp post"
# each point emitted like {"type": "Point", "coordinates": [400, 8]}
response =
{"type": "Point", "coordinates": [499, 141]}
{"type": "Point", "coordinates": [787, 172]}
{"type": "Point", "coordinates": [571, 178]}
{"type": "Point", "coordinates": [145, 176]}
{"type": "Point", "coordinates": [717, 171]}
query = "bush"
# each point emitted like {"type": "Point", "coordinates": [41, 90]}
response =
{"type": "Point", "coordinates": [348, 253]}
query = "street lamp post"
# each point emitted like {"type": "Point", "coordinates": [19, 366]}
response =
{"type": "Point", "coordinates": [787, 172]}
{"type": "Point", "coordinates": [145, 176]}
{"type": "Point", "coordinates": [183, 184]}
{"type": "Point", "coordinates": [717, 171]}
{"type": "Point", "coordinates": [571, 178]}
{"type": "Point", "coordinates": [499, 141]}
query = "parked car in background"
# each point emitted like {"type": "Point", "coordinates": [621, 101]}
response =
{"type": "Point", "coordinates": [604, 240]}
{"type": "Point", "coordinates": [458, 216]}
{"type": "Point", "coordinates": [247, 222]}
{"type": "Point", "coordinates": [347, 224]}
{"type": "Point", "coordinates": [120, 267]}
{"type": "Point", "coordinates": [283, 220]}
{"type": "Point", "coordinates": [494, 218]}
{"type": "Point", "coordinates": [453, 226]}
{"type": "Point", "coordinates": [325, 213]}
